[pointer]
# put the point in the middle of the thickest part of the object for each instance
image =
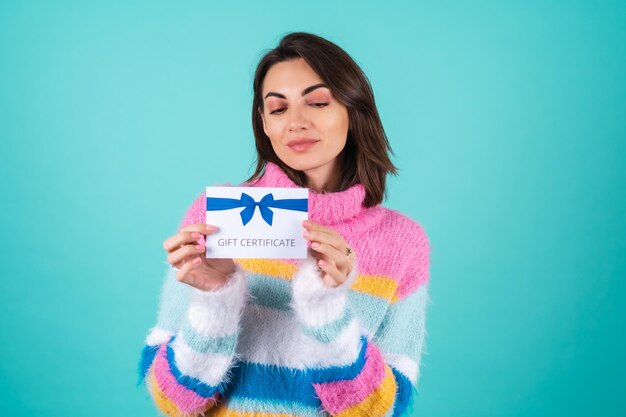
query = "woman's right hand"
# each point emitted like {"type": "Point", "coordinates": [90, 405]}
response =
{"type": "Point", "coordinates": [186, 252]}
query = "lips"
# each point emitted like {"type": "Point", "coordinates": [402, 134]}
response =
{"type": "Point", "coordinates": [302, 145]}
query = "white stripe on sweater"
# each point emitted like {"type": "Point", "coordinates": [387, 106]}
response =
{"type": "Point", "coordinates": [403, 364]}
{"type": "Point", "coordinates": [216, 313]}
{"type": "Point", "coordinates": [158, 336]}
{"type": "Point", "coordinates": [316, 304]}
{"type": "Point", "coordinates": [274, 337]}
{"type": "Point", "coordinates": [210, 368]}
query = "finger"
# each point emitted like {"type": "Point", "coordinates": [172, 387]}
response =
{"type": "Point", "coordinates": [310, 225]}
{"type": "Point", "coordinates": [333, 239]}
{"type": "Point", "coordinates": [334, 236]}
{"type": "Point", "coordinates": [199, 227]}
{"type": "Point", "coordinates": [184, 273]}
{"type": "Point", "coordinates": [334, 276]}
{"type": "Point", "coordinates": [181, 254]}
{"type": "Point", "coordinates": [328, 252]}
{"type": "Point", "coordinates": [188, 234]}
{"type": "Point", "coordinates": [335, 259]}
{"type": "Point", "coordinates": [182, 238]}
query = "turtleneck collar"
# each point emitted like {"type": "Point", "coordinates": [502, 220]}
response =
{"type": "Point", "coordinates": [324, 208]}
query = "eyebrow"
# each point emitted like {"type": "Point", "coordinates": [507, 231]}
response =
{"type": "Point", "coordinates": [304, 92]}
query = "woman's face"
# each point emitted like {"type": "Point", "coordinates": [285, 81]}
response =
{"type": "Point", "coordinates": [306, 125]}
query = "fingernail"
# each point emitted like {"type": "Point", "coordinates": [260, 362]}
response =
{"type": "Point", "coordinates": [314, 245]}
{"type": "Point", "coordinates": [199, 247]}
{"type": "Point", "coordinates": [196, 261]}
{"type": "Point", "coordinates": [306, 234]}
{"type": "Point", "coordinates": [322, 263]}
{"type": "Point", "coordinates": [306, 223]}
{"type": "Point", "coordinates": [196, 235]}
{"type": "Point", "coordinates": [210, 228]}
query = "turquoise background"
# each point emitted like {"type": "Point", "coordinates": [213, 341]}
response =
{"type": "Point", "coordinates": [508, 123]}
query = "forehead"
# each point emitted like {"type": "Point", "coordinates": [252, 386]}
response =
{"type": "Point", "coordinates": [290, 77]}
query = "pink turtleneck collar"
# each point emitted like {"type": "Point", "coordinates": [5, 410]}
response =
{"type": "Point", "coordinates": [324, 208]}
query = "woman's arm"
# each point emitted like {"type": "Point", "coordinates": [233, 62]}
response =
{"type": "Point", "coordinates": [187, 371]}
{"type": "Point", "coordinates": [188, 355]}
{"type": "Point", "coordinates": [384, 374]}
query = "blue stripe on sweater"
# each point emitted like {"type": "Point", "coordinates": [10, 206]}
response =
{"type": "Point", "coordinates": [369, 308]}
{"type": "Point", "coordinates": [270, 382]}
{"type": "Point", "coordinates": [330, 331]}
{"type": "Point", "coordinates": [147, 356]}
{"type": "Point", "coordinates": [391, 336]}
{"type": "Point", "coordinates": [269, 291]}
{"type": "Point", "coordinates": [403, 393]}
{"type": "Point", "coordinates": [204, 344]}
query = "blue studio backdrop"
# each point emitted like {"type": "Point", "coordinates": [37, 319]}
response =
{"type": "Point", "coordinates": [507, 120]}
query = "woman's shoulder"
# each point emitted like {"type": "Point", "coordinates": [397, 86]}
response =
{"type": "Point", "coordinates": [399, 227]}
{"type": "Point", "coordinates": [196, 211]}
{"type": "Point", "coordinates": [406, 241]}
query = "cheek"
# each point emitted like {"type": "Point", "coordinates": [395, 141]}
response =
{"type": "Point", "coordinates": [338, 124]}
{"type": "Point", "coordinates": [275, 131]}
{"type": "Point", "coordinates": [274, 128]}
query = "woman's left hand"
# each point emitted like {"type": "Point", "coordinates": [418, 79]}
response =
{"type": "Point", "coordinates": [334, 257]}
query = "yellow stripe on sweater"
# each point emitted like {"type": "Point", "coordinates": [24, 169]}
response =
{"type": "Point", "coordinates": [278, 269]}
{"type": "Point", "coordinates": [376, 285]}
{"type": "Point", "coordinates": [379, 402]}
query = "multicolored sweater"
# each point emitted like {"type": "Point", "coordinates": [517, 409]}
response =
{"type": "Point", "coordinates": [275, 341]}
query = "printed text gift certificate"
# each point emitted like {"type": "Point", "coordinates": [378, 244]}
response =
{"type": "Point", "coordinates": [256, 222]}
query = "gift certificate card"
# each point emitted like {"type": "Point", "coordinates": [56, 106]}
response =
{"type": "Point", "coordinates": [256, 222]}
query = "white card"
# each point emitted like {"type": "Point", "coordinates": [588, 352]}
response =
{"type": "Point", "coordinates": [256, 222]}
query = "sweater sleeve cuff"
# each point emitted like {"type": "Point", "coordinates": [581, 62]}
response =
{"type": "Point", "coordinates": [216, 313]}
{"type": "Point", "coordinates": [316, 304]}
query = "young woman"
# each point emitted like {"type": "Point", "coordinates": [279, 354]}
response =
{"type": "Point", "coordinates": [340, 333]}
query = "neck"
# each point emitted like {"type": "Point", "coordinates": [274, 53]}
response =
{"type": "Point", "coordinates": [325, 208]}
{"type": "Point", "coordinates": [324, 178]}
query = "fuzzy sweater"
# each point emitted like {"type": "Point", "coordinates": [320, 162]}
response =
{"type": "Point", "coordinates": [274, 341]}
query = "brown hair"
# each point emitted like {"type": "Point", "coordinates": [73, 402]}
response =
{"type": "Point", "coordinates": [365, 157]}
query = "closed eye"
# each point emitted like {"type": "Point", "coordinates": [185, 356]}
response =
{"type": "Point", "coordinates": [282, 109]}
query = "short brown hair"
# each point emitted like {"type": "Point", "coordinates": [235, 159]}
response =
{"type": "Point", "coordinates": [365, 157]}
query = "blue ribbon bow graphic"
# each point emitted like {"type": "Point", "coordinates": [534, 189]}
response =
{"type": "Point", "coordinates": [217, 203]}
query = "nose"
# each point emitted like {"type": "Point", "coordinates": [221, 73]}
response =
{"type": "Point", "coordinates": [298, 120]}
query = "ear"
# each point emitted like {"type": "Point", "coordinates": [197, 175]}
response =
{"type": "Point", "coordinates": [263, 120]}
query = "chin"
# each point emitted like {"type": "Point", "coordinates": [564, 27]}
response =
{"type": "Point", "coordinates": [304, 163]}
